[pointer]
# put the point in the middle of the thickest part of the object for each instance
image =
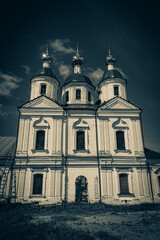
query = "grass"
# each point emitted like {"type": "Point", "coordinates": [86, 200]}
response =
{"type": "Point", "coordinates": [79, 221]}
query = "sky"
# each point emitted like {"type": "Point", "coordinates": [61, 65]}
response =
{"type": "Point", "coordinates": [130, 28]}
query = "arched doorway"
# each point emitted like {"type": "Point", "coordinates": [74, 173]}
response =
{"type": "Point", "coordinates": [81, 185]}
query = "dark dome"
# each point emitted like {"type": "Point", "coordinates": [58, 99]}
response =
{"type": "Point", "coordinates": [77, 77]}
{"type": "Point", "coordinates": [112, 74]}
{"type": "Point", "coordinates": [108, 74]}
{"type": "Point", "coordinates": [46, 72]}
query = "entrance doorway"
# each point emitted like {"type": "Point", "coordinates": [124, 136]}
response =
{"type": "Point", "coordinates": [81, 185]}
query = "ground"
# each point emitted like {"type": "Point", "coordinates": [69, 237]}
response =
{"type": "Point", "coordinates": [79, 221]}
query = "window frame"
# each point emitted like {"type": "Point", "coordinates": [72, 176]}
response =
{"type": "Point", "coordinates": [118, 147]}
{"type": "Point", "coordinates": [120, 186]}
{"type": "Point", "coordinates": [37, 132]}
{"type": "Point", "coordinates": [89, 96]}
{"type": "Point", "coordinates": [40, 125]}
{"type": "Point", "coordinates": [158, 179]}
{"type": "Point", "coordinates": [81, 125]}
{"type": "Point", "coordinates": [67, 96]}
{"type": "Point", "coordinates": [41, 89]}
{"type": "Point", "coordinates": [36, 174]}
{"type": "Point", "coordinates": [121, 125]}
{"type": "Point", "coordinates": [34, 171]}
{"type": "Point", "coordinates": [79, 148]}
{"type": "Point", "coordinates": [78, 94]}
{"type": "Point", "coordinates": [114, 91]}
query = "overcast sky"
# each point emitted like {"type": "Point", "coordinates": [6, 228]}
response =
{"type": "Point", "coordinates": [131, 28]}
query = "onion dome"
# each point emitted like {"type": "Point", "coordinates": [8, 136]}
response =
{"type": "Point", "coordinates": [111, 72]}
{"type": "Point", "coordinates": [77, 62]}
{"type": "Point", "coordinates": [77, 77]}
{"type": "Point", "coordinates": [46, 66]}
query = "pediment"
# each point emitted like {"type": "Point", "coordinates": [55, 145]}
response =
{"type": "Point", "coordinates": [42, 102]}
{"type": "Point", "coordinates": [118, 103]}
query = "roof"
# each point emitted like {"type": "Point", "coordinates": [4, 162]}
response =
{"type": "Point", "coordinates": [151, 154]}
{"type": "Point", "coordinates": [105, 102]}
{"type": "Point", "coordinates": [44, 71]}
{"type": "Point", "coordinates": [77, 77]}
{"type": "Point", "coordinates": [7, 146]}
{"type": "Point", "coordinates": [109, 74]}
{"type": "Point", "coordinates": [40, 97]}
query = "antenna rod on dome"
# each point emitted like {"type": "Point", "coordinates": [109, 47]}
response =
{"type": "Point", "coordinates": [47, 47]}
{"type": "Point", "coordinates": [109, 50]}
{"type": "Point", "coordinates": [77, 48]}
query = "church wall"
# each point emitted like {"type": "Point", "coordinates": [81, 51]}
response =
{"type": "Point", "coordinates": [27, 137]}
{"type": "Point", "coordinates": [51, 87]}
{"type": "Point", "coordinates": [155, 173]}
{"type": "Point", "coordinates": [71, 88]}
{"type": "Point", "coordinates": [132, 135]}
{"type": "Point", "coordinates": [52, 188]}
{"type": "Point", "coordinates": [91, 173]}
{"type": "Point", "coordinates": [138, 187]}
{"type": "Point", "coordinates": [107, 89]}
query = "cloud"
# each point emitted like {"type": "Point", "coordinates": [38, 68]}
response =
{"type": "Point", "coordinates": [122, 73]}
{"type": "Point", "coordinates": [64, 70]}
{"type": "Point", "coordinates": [27, 69]}
{"type": "Point", "coordinates": [62, 46]}
{"type": "Point", "coordinates": [2, 112]}
{"type": "Point", "coordinates": [6, 110]}
{"type": "Point", "coordinates": [8, 84]}
{"type": "Point", "coordinates": [95, 74]}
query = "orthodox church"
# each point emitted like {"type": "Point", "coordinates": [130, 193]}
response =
{"type": "Point", "coordinates": [79, 149]}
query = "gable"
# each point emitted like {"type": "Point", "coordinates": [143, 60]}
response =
{"type": "Point", "coordinates": [118, 103]}
{"type": "Point", "coordinates": [42, 102]}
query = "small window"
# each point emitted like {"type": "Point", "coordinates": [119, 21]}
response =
{"type": "Point", "coordinates": [89, 96]}
{"type": "Point", "coordinates": [123, 179]}
{"type": "Point", "coordinates": [120, 140]}
{"type": "Point", "coordinates": [40, 140]}
{"type": "Point", "coordinates": [37, 184]}
{"type": "Point", "coordinates": [43, 89]}
{"type": "Point", "coordinates": [159, 182]}
{"type": "Point", "coordinates": [67, 96]}
{"type": "Point", "coordinates": [78, 94]}
{"type": "Point", "coordinates": [116, 90]}
{"type": "Point", "coordinates": [80, 140]}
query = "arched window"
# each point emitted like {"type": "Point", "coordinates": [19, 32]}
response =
{"type": "Point", "coordinates": [123, 179]}
{"type": "Point", "coordinates": [89, 96]}
{"type": "Point", "coordinates": [116, 91]}
{"type": "Point", "coordinates": [80, 140]}
{"type": "Point", "coordinates": [43, 89]}
{"type": "Point", "coordinates": [67, 96]}
{"type": "Point", "coordinates": [78, 94]}
{"type": "Point", "coordinates": [159, 182]}
{"type": "Point", "coordinates": [40, 140]}
{"type": "Point", "coordinates": [120, 140]}
{"type": "Point", "coordinates": [37, 184]}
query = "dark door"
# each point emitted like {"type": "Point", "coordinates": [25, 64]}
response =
{"type": "Point", "coordinates": [81, 189]}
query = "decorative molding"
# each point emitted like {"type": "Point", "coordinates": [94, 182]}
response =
{"type": "Point", "coordinates": [81, 151]}
{"type": "Point", "coordinates": [39, 151]}
{"type": "Point", "coordinates": [120, 124]}
{"type": "Point", "coordinates": [123, 151]}
{"type": "Point", "coordinates": [41, 123]}
{"type": "Point", "coordinates": [125, 195]}
{"type": "Point", "coordinates": [80, 124]}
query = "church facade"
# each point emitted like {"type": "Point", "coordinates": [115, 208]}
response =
{"type": "Point", "coordinates": [86, 148]}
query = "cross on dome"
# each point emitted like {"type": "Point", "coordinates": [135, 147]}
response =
{"type": "Point", "coordinates": [77, 62]}
{"type": "Point", "coordinates": [46, 58]}
{"type": "Point", "coordinates": [110, 60]}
